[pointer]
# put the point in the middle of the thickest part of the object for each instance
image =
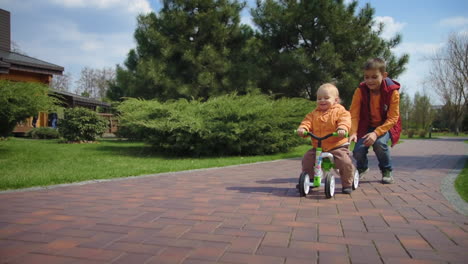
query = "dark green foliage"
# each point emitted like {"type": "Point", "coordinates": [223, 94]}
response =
{"type": "Point", "coordinates": [225, 125]}
{"type": "Point", "coordinates": [20, 100]}
{"type": "Point", "coordinates": [43, 133]}
{"type": "Point", "coordinates": [308, 43]}
{"type": "Point", "coordinates": [190, 49]}
{"type": "Point", "coordinates": [198, 49]}
{"type": "Point", "coordinates": [81, 124]}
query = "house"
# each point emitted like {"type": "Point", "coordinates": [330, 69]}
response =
{"type": "Point", "coordinates": [22, 68]}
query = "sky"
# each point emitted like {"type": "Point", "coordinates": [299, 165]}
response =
{"type": "Point", "coordinates": [99, 33]}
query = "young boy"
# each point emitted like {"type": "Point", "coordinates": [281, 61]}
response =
{"type": "Point", "coordinates": [328, 117]}
{"type": "Point", "coordinates": [375, 116]}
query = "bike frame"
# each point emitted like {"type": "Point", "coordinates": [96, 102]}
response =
{"type": "Point", "coordinates": [323, 160]}
{"type": "Point", "coordinates": [323, 163]}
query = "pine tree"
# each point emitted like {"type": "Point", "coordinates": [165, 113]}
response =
{"type": "Point", "coordinates": [190, 49]}
{"type": "Point", "coordinates": [307, 43]}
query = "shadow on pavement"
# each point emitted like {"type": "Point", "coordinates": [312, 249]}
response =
{"type": "Point", "coordinates": [278, 180]}
{"type": "Point", "coordinates": [461, 139]}
{"type": "Point", "coordinates": [258, 189]}
{"type": "Point", "coordinates": [426, 162]}
{"type": "Point", "coordinates": [315, 193]}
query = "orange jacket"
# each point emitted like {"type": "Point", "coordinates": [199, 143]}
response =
{"type": "Point", "coordinates": [322, 123]}
{"type": "Point", "coordinates": [382, 126]}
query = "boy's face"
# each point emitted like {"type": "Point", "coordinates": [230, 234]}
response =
{"type": "Point", "coordinates": [373, 78]}
{"type": "Point", "coordinates": [325, 99]}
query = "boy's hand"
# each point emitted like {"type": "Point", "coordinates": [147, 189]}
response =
{"type": "Point", "coordinates": [352, 138]}
{"type": "Point", "coordinates": [300, 131]}
{"type": "Point", "coordinates": [341, 132]}
{"type": "Point", "coordinates": [369, 139]}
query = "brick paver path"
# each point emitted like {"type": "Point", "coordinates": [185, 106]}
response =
{"type": "Point", "coordinates": [244, 214]}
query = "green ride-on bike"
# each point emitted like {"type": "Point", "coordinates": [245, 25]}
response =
{"type": "Point", "coordinates": [324, 163]}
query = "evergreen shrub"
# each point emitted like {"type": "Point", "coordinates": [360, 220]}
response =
{"type": "Point", "coordinates": [43, 133]}
{"type": "Point", "coordinates": [225, 125]}
{"type": "Point", "coordinates": [81, 124]}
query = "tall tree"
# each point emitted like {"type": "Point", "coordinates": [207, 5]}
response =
{"type": "Point", "coordinates": [307, 43]}
{"type": "Point", "coordinates": [449, 77]}
{"type": "Point", "coordinates": [95, 82]}
{"type": "Point", "coordinates": [422, 112]}
{"type": "Point", "coordinates": [85, 84]}
{"type": "Point", "coordinates": [190, 49]}
{"type": "Point", "coordinates": [406, 107]}
{"type": "Point", "coordinates": [61, 82]}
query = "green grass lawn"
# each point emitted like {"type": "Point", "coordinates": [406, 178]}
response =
{"type": "Point", "coordinates": [461, 183]}
{"type": "Point", "coordinates": [28, 162]}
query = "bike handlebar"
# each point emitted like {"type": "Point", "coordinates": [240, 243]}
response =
{"type": "Point", "coordinates": [334, 134]}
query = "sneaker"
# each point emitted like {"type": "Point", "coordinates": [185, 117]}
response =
{"type": "Point", "coordinates": [362, 172]}
{"type": "Point", "coordinates": [387, 177]}
{"type": "Point", "coordinates": [347, 190]}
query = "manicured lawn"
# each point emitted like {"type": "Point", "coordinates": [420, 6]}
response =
{"type": "Point", "coordinates": [27, 162]}
{"type": "Point", "coordinates": [461, 183]}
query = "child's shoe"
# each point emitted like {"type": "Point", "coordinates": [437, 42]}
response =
{"type": "Point", "coordinates": [387, 177]}
{"type": "Point", "coordinates": [362, 172]}
{"type": "Point", "coordinates": [347, 190]}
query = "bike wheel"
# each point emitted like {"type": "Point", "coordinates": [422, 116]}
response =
{"type": "Point", "coordinates": [329, 185]}
{"type": "Point", "coordinates": [355, 179]}
{"type": "Point", "coordinates": [304, 184]}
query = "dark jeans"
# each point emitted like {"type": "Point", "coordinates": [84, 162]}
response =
{"type": "Point", "coordinates": [381, 149]}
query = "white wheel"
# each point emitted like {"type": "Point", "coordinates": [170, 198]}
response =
{"type": "Point", "coordinates": [356, 180]}
{"type": "Point", "coordinates": [329, 185]}
{"type": "Point", "coordinates": [304, 184]}
{"type": "Point", "coordinates": [307, 184]}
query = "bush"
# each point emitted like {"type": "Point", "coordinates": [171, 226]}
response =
{"type": "Point", "coordinates": [422, 133]}
{"type": "Point", "coordinates": [225, 125]}
{"type": "Point", "coordinates": [20, 100]}
{"type": "Point", "coordinates": [43, 133]}
{"type": "Point", "coordinates": [81, 124]}
{"type": "Point", "coordinates": [129, 112]}
{"type": "Point", "coordinates": [411, 133]}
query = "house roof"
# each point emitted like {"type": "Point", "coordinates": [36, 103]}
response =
{"type": "Point", "coordinates": [4, 67]}
{"type": "Point", "coordinates": [81, 100]}
{"type": "Point", "coordinates": [14, 61]}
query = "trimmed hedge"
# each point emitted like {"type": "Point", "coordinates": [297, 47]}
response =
{"type": "Point", "coordinates": [225, 125]}
{"type": "Point", "coordinates": [81, 124]}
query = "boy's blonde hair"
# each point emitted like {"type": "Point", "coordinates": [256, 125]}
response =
{"type": "Point", "coordinates": [332, 88]}
{"type": "Point", "coordinates": [375, 64]}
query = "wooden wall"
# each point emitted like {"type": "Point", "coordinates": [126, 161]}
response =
{"type": "Point", "coordinates": [20, 76]}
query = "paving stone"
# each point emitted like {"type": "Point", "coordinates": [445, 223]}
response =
{"type": "Point", "coordinates": [244, 214]}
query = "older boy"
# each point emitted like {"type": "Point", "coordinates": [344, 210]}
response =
{"type": "Point", "coordinates": [375, 116]}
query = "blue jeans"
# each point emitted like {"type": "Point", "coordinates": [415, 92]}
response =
{"type": "Point", "coordinates": [381, 149]}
